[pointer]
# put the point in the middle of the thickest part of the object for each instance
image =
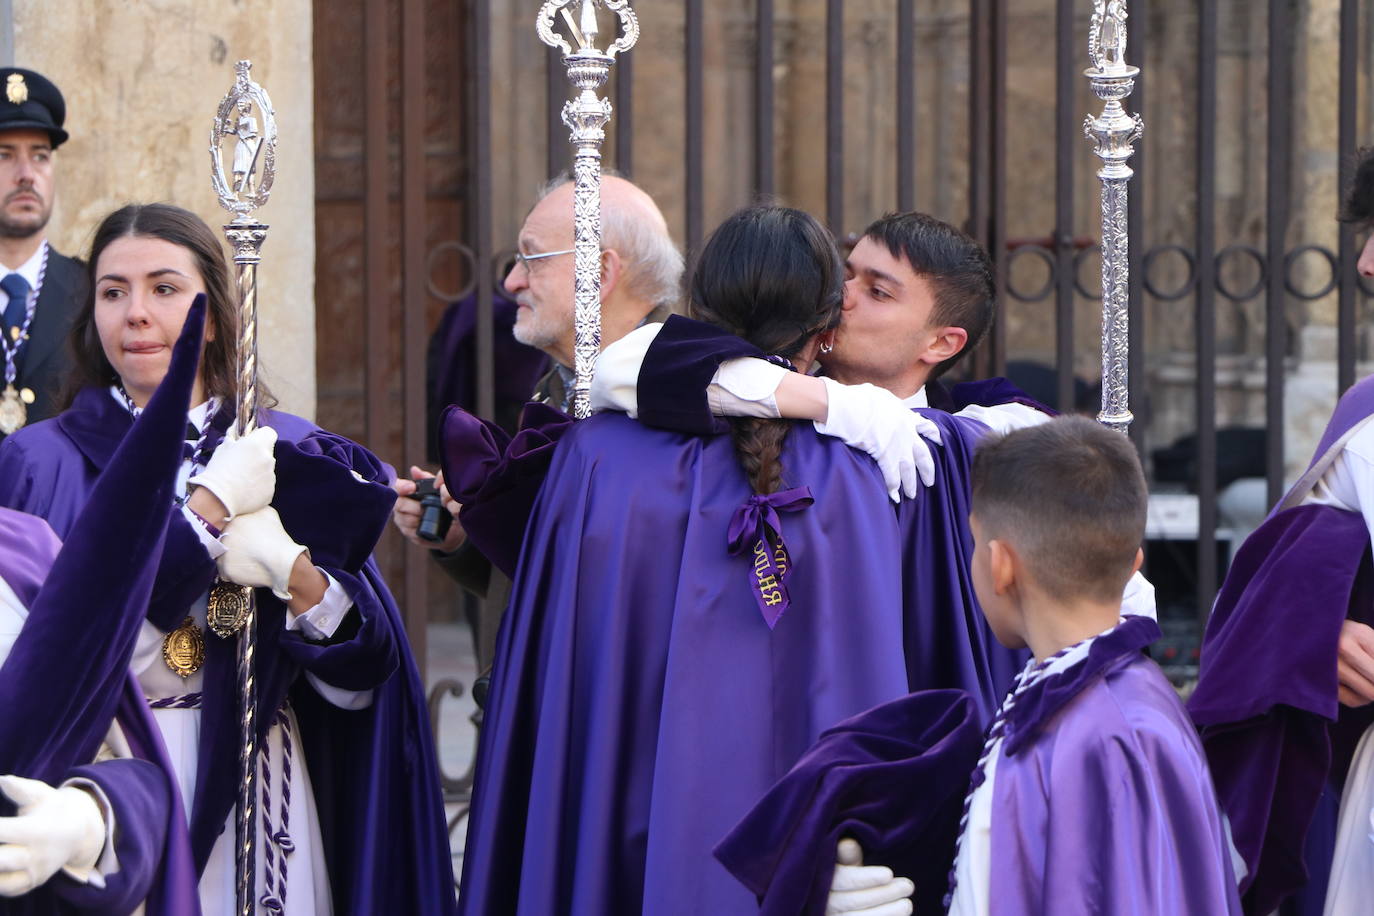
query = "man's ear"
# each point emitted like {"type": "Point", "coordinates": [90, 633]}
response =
{"type": "Point", "coordinates": [1002, 563]}
{"type": "Point", "coordinates": [946, 343]}
{"type": "Point", "coordinates": [612, 272]}
{"type": "Point", "coordinates": [1139, 560]}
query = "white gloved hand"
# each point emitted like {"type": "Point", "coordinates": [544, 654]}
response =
{"type": "Point", "coordinates": [874, 420]}
{"type": "Point", "coordinates": [259, 553]}
{"type": "Point", "coordinates": [55, 828]}
{"type": "Point", "coordinates": [869, 891]}
{"type": "Point", "coordinates": [242, 473]}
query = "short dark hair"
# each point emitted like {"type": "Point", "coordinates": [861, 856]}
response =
{"type": "Point", "coordinates": [1358, 205]}
{"type": "Point", "coordinates": [219, 363]}
{"type": "Point", "coordinates": [1069, 494]}
{"type": "Point", "coordinates": [955, 264]}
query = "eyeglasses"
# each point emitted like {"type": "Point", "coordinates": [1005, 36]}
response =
{"type": "Point", "coordinates": [524, 260]}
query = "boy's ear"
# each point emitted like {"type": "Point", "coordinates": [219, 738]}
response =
{"type": "Point", "coordinates": [1001, 565]}
{"type": "Point", "coordinates": [1139, 560]}
{"type": "Point", "coordinates": [946, 343]}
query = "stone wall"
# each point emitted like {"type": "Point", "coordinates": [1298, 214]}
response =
{"type": "Point", "coordinates": [142, 82]}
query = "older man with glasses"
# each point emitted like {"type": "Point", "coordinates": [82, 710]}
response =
{"type": "Point", "coordinates": [641, 271]}
{"type": "Point", "coordinates": [641, 277]}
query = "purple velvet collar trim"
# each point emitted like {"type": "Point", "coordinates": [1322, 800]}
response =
{"type": "Point", "coordinates": [1042, 700]}
{"type": "Point", "coordinates": [96, 424]}
{"type": "Point", "coordinates": [756, 527]}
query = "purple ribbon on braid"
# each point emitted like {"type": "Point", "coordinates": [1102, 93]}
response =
{"type": "Point", "coordinates": [756, 529]}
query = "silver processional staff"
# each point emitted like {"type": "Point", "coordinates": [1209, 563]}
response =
{"type": "Point", "coordinates": [1115, 133]}
{"type": "Point", "coordinates": [586, 116]}
{"type": "Point", "coordinates": [241, 190]}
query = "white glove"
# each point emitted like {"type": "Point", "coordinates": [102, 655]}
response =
{"type": "Point", "coordinates": [259, 553]}
{"type": "Point", "coordinates": [874, 420]}
{"type": "Point", "coordinates": [242, 473]}
{"type": "Point", "coordinates": [870, 891]}
{"type": "Point", "coordinates": [55, 828]}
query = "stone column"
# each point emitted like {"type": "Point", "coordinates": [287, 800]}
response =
{"type": "Point", "coordinates": [141, 84]}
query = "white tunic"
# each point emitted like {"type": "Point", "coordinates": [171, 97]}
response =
{"type": "Point", "coordinates": [307, 887]}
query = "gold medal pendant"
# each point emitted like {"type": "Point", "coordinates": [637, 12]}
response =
{"type": "Point", "coordinates": [183, 649]}
{"type": "Point", "coordinates": [13, 413]}
{"type": "Point", "coordinates": [227, 609]}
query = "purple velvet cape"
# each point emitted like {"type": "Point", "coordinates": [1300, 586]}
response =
{"type": "Point", "coordinates": [83, 608]}
{"type": "Point", "coordinates": [1102, 801]}
{"type": "Point", "coordinates": [639, 703]}
{"type": "Point", "coordinates": [892, 778]}
{"type": "Point", "coordinates": [948, 641]}
{"type": "Point", "coordinates": [1266, 701]}
{"type": "Point", "coordinates": [373, 771]}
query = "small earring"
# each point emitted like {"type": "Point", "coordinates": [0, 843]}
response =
{"type": "Point", "coordinates": [826, 347]}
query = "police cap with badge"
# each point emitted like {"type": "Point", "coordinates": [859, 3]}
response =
{"type": "Point", "coordinates": [32, 102]}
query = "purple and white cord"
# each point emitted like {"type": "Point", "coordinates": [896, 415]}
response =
{"type": "Point", "coordinates": [1029, 675]}
{"type": "Point", "coordinates": [277, 838]}
{"type": "Point", "coordinates": [12, 346]}
{"type": "Point", "coordinates": [278, 835]}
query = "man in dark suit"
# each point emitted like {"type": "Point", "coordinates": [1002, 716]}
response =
{"type": "Point", "coordinates": [39, 288]}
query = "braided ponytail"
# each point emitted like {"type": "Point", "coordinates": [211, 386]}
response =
{"type": "Point", "coordinates": [773, 276]}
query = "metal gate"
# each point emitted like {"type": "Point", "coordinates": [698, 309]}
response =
{"type": "Point", "coordinates": [970, 109]}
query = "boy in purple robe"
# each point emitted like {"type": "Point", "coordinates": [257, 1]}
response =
{"type": "Point", "coordinates": [1092, 794]}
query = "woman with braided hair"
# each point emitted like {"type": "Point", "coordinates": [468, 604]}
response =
{"type": "Point", "coordinates": [689, 614]}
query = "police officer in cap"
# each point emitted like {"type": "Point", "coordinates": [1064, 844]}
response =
{"type": "Point", "coordinates": [39, 288]}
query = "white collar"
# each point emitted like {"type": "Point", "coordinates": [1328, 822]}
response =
{"type": "Point", "coordinates": [29, 269]}
{"type": "Point", "coordinates": [1075, 655]}
{"type": "Point", "coordinates": [918, 399]}
{"type": "Point", "coordinates": [196, 415]}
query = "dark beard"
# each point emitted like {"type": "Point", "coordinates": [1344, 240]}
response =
{"type": "Point", "coordinates": [9, 229]}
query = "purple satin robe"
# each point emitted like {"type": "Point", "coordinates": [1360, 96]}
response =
{"type": "Point", "coordinates": [1102, 801]}
{"type": "Point", "coordinates": [892, 777]}
{"type": "Point", "coordinates": [948, 642]}
{"type": "Point", "coordinates": [373, 771]}
{"type": "Point", "coordinates": [1278, 741]}
{"type": "Point", "coordinates": [640, 703]}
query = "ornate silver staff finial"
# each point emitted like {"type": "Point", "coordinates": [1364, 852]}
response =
{"type": "Point", "coordinates": [586, 116]}
{"type": "Point", "coordinates": [231, 609]}
{"type": "Point", "coordinates": [1115, 133]}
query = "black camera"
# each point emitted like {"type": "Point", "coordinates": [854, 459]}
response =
{"type": "Point", "coordinates": [434, 518]}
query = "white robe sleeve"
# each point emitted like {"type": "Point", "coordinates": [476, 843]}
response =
{"type": "Point", "coordinates": [744, 387]}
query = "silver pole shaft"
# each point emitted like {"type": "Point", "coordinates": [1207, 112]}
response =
{"type": "Point", "coordinates": [586, 117]}
{"type": "Point", "coordinates": [1115, 132]}
{"type": "Point", "coordinates": [246, 238]}
{"type": "Point", "coordinates": [587, 268]}
{"type": "Point", "coordinates": [253, 171]}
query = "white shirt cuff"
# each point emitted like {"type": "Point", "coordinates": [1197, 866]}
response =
{"type": "Point", "coordinates": [745, 387]}
{"type": "Point", "coordinates": [108, 861]}
{"type": "Point", "coordinates": [1003, 418]}
{"type": "Point", "coordinates": [322, 620]}
{"type": "Point", "coordinates": [211, 543]}
{"type": "Point", "coordinates": [320, 623]}
{"type": "Point", "coordinates": [616, 378]}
